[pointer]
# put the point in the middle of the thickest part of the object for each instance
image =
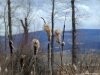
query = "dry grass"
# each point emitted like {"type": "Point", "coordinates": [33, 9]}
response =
{"type": "Point", "coordinates": [58, 35]}
{"type": "Point", "coordinates": [88, 64]}
{"type": "Point", "coordinates": [48, 31]}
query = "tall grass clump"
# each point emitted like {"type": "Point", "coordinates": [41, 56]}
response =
{"type": "Point", "coordinates": [47, 29]}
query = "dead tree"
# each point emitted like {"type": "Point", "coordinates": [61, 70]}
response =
{"type": "Point", "coordinates": [9, 20]}
{"type": "Point", "coordinates": [62, 46]}
{"type": "Point", "coordinates": [25, 27]}
{"type": "Point", "coordinates": [25, 24]}
{"type": "Point", "coordinates": [52, 37]}
{"type": "Point", "coordinates": [5, 27]}
{"type": "Point", "coordinates": [62, 42]}
{"type": "Point", "coordinates": [74, 52]}
{"type": "Point", "coordinates": [10, 33]}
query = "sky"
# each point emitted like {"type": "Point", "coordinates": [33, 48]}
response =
{"type": "Point", "coordinates": [87, 14]}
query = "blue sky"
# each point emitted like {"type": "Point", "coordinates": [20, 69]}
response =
{"type": "Point", "coordinates": [87, 14]}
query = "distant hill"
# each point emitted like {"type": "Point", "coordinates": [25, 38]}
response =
{"type": "Point", "coordinates": [87, 39]}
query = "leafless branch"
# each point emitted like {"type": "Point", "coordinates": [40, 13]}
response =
{"type": "Point", "coordinates": [22, 23]}
{"type": "Point", "coordinates": [43, 20]}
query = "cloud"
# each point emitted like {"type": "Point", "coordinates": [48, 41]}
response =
{"type": "Point", "coordinates": [88, 9]}
{"type": "Point", "coordinates": [91, 14]}
{"type": "Point", "coordinates": [83, 7]}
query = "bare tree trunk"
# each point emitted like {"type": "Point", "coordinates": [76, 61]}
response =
{"type": "Point", "coordinates": [26, 31]}
{"type": "Point", "coordinates": [10, 25]}
{"type": "Point", "coordinates": [74, 52]}
{"type": "Point", "coordinates": [49, 58]}
{"type": "Point", "coordinates": [9, 20]}
{"type": "Point", "coordinates": [25, 27]}
{"type": "Point", "coordinates": [52, 38]}
{"type": "Point", "coordinates": [5, 28]}
{"type": "Point", "coordinates": [10, 34]}
{"type": "Point", "coordinates": [62, 48]}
